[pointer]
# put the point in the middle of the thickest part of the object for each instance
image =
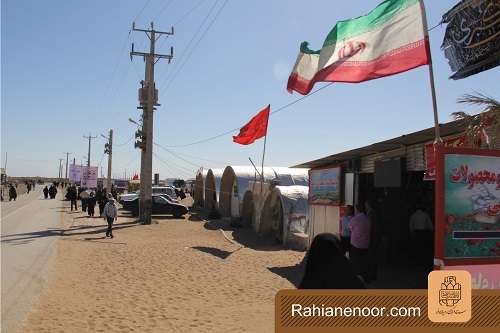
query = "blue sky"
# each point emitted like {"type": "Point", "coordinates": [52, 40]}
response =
{"type": "Point", "coordinates": [66, 72]}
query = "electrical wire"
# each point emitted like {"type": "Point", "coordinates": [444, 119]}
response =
{"type": "Point", "coordinates": [179, 157]}
{"type": "Point", "coordinates": [142, 10]}
{"type": "Point", "coordinates": [167, 4]}
{"type": "Point", "coordinates": [172, 165]}
{"type": "Point", "coordinates": [183, 17]}
{"type": "Point", "coordinates": [192, 39]}
{"type": "Point", "coordinates": [192, 156]}
{"type": "Point", "coordinates": [123, 144]}
{"type": "Point", "coordinates": [196, 45]}
{"type": "Point", "coordinates": [237, 128]}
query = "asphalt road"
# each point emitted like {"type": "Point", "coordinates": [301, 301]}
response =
{"type": "Point", "coordinates": [30, 227]}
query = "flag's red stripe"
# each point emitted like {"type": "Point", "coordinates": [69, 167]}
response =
{"type": "Point", "coordinates": [399, 60]}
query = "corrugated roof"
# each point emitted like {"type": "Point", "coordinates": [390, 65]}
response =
{"type": "Point", "coordinates": [423, 136]}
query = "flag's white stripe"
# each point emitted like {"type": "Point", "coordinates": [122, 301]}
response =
{"type": "Point", "coordinates": [403, 29]}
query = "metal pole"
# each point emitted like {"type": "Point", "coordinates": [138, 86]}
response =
{"type": "Point", "coordinates": [437, 135]}
{"type": "Point", "coordinates": [110, 158]}
{"type": "Point", "coordinates": [67, 156]}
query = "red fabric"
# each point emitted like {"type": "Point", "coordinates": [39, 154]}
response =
{"type": "Point", "coordinates": [255, 129]}
{"type": "Point", "coordinates": [136, 177]}
{"type": "Point", "coordinates": [394, 62]}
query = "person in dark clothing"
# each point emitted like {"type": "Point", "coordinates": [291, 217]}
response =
{"type": "Point", "coordinates": [182, 195]}
{"type": "Point", "coordinates": [102, 200]}
{"type": "Point", "coordinates": [327, 267]}
{"type": "Point", "coordinates": [28, 185]}
{"type": "Point", "coordinates": [12, 193]}
{"type": "Point", "coordinates": [52, 192]}
{"type": "Point", "coordinates": [84, 195]}
{"type": "Point", "coordinates": [114, 193]}
{"type": "Point", "coordinates": [45, 192]}
{"type": "Point", "coordinates": [91, 201]}
{"type": "Point", "coordinates": [73, 196]}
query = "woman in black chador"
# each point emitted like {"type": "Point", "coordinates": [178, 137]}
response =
{"type": "Point", "coordinates": [327, 267]}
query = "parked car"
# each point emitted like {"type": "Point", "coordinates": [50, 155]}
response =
{"type": "Point", "coordinates": [161, 205]}
{"type": "Point", "coordinates": [170, 191]}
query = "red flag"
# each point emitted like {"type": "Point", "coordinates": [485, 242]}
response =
{"type": "Point", "coordinates": [255, 129]}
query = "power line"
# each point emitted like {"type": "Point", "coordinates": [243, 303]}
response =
{"type": "Point", "coordinates": [192, 156]}
{"type": "Point", "coordinates": [123, 144]}
{"type": "Point", "coordinates": [142, 10]}
{"type": "Point", "coordinates": [172, 165]}
{"type": "Point", "coordinates": [179, 157]}
{"type": "Point", "coordinates": [183, 17]}
{"type": "Point", "coordinates": [196, 45]}
{"type": "Point", "coordinates": [167, 4]}
{"type": "Point", "coordinates": [192, 39]}
{"type": "Point", "coordinates": [237, 128]}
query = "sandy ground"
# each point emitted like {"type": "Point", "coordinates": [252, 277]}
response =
{"type": "Point", "coordinates": [177, 275]}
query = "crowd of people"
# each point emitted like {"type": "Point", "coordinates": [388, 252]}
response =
{"type": "Point", "coordinates": [351, 260]}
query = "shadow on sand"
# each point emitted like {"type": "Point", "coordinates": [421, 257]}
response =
{"type": "Point", "coordinates": [22, 238]}
{"type": "Point", "coordinates": [246, 236]}
{"type": "Point", "coordinates": [213, 251]}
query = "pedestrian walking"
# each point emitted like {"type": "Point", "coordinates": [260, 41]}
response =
{"type": "Point", "coordinates": [73, 196]}
{"type": "Point", "coordinates": [110, 215]}
{"type": "Point", "coordinates": [12, 193]}
{"type": "Point", "coordinates": [84, 195]}
{"type": "Point", "coordinates": [52, 192]}
{"type": "Point", "coordinates": [91, 201]}
{"type": "Point", "coordinates": [28, 185]}
{"type": "Point", "coordinates": [45, 192]}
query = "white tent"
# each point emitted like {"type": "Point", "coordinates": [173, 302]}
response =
{"type": "Point", "coordinates": [236, 180]}
{"type": "Point", "coordinates": [284, 214]}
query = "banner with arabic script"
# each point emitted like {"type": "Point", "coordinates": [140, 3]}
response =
{"type": "Point", "coordinates": [472, 39]}
{"type": "Point", "coordinates": [471, 206]}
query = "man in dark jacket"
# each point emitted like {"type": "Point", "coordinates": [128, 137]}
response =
{"type": "Point", "coordinates": [12, 193]}
{"type": "Point", "coordinates": [45, 192]}
{"type": "Point", "coordinates": [73, 196]}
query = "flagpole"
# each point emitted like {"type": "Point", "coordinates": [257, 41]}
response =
{"type": "Point", "coordinates": [437, 135]}
{"type": "Point", "coordinates": [264, 153]}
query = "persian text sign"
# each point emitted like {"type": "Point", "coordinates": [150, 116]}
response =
{"type": "Point", "coordinates": [471, 42]}
{"type": "Point", "coordinates": [75, 173]}
{"type": "Point", "coordinates": [471, 206]}
{"type": "Point", "coordinates": [324, 186]}
{"type": "Point", "coordinates": [89, 177]}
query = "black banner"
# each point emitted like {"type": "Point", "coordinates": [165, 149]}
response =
{"type": "Point", "coordinates": [472, 39]}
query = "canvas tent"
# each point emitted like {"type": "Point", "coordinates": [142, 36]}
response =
{"type": "Point", "coordinates": [236, 180]}
{"type": "Point", "coordinates": [212, 188]}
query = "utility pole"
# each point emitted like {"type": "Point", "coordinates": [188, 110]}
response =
{"type": "Point", "coordinates": [90, 137]}
{"type": "Point", "coordinates": [67, 156]}
{"type": "Point", "coordinates": [60, 168]}
{"type": "Point", "coordinates": [108, 149]}
{"type": "Point", "coordinates": [148, 99]}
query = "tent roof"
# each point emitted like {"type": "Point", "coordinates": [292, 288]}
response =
{"type": "Point", "coordinates": [423, 136]}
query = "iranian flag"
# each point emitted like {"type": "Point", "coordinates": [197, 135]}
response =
{"type": "Point", "coordinates": [391, 39]}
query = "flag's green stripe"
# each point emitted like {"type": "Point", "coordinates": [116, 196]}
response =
{"type": "Point", "coordinates": [347, 29]}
